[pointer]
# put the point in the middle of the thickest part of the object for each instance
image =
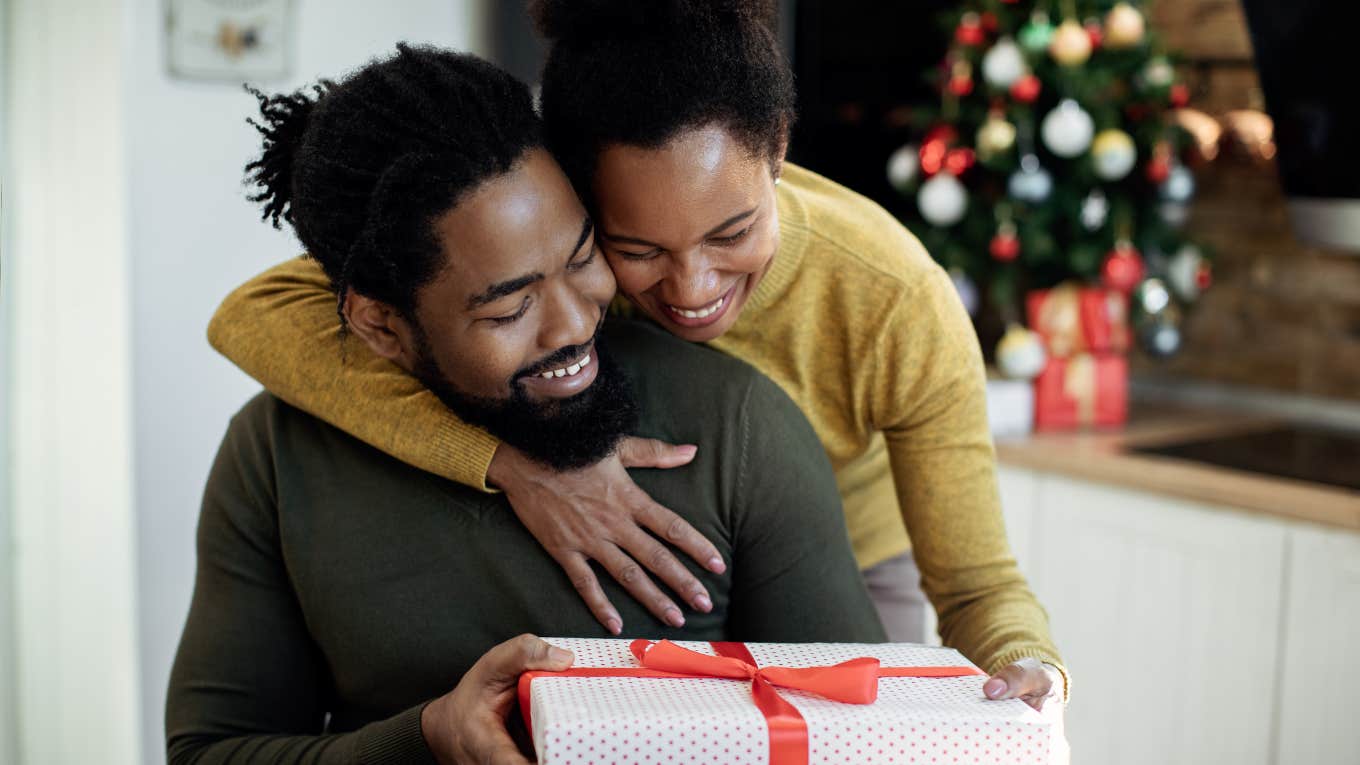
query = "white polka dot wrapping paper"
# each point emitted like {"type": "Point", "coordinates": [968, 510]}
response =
{"type": "Point", "coordinates": [674, 721]}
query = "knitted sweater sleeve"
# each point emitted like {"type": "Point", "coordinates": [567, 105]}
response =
{"type": "Point", "coordinates": [281, 329]}
{"type": "Point", "coordinates": [929, 399]}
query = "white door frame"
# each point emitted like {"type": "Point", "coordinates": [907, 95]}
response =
{"type": "Point", "coordinates": [69, 384]}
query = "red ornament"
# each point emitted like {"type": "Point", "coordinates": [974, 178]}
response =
{"type": "Point", "coordinates": [1026, 89]}
{"type": "Point", "coordinates": [1180, 95]}
{"type": "Point", "coordinates": [1005, 246]}
{"type": "Point", "coordinates": [989, 22]}
{"type": "Point", "coordinates": [1159, 168]}
{"type": "Point", "coordinates": [960, 86]}
{"type": "Point", "coordinates": [969, 31]}
{"type": "Point", "coordinates": [1094, 31]}
{"type": "Point", "coordinates": [958, 161]}
{"type": "Point", "coordinates": [1122, 269]}
{"type": "Point", "coordinates": [1204, 277]}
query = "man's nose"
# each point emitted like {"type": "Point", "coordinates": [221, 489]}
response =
{"type": "Point", "coordinates": [570, 317]}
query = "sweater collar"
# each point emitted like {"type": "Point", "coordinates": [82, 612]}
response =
{"type": "Point", "coordinates": [793, 240]}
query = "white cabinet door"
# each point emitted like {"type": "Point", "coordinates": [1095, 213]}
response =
{"type": "Point", "coordinates": [1019, 496]}
{"type": "Point", "coordinates": [1320, 671]}
{"type": "Point", "coordinates": [1167, 613]}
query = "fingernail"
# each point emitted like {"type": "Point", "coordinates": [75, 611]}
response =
{"type": "Point", "coordinates": [689, 450]}
{"type": "Point", "coordinates": [675, 617]}
{"type": "Point", "coordinates": [994, 688]}
{"type": "Point", "coordinates": [716, 565]}
{"type": "Point", "coordinates": [560, 655]}
{"type": "Point", "coordinates": [614, 626]}
{"type": "Point", "coordinates": [702, 603]}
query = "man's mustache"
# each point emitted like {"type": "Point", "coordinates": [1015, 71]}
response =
{"type": "Point", "coordinates": [562, 356]}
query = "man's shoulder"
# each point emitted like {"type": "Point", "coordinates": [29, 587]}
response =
{"type": "Point", "coordinates": [684, 384]}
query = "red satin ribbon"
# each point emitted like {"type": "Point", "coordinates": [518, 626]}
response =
{"type": "Point", "coordinates": [851, 682]}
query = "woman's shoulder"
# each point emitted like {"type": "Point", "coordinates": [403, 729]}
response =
{"type": "Point", "coordinates": [852, 237]}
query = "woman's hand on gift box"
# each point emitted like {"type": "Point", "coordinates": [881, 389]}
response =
{"type": "Point", "coordinates": [597, 513]}
{"type": "Point", "coordinates": [468, 724]}
{"type": "Point", "coordinates": [1030, 680]}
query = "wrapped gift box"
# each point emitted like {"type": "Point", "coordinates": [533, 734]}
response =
{"type": "Point", "coordinates": [1083, 390]}
{"type": "Point", "coordinates": [658, 703]}
{"type": "Point", "coordinates": [1073, 320]}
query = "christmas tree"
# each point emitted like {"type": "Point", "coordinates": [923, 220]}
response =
{"type": "Point", "coordinates": [1054, 155]}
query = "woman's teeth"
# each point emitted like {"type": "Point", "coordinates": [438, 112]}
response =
{"type": "Point", "coordinates": [702, 312]}
{"type": "Point", "coordinates": [567, 371]}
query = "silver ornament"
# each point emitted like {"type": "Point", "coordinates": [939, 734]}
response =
{"type": "Point", "coordinates": [1031, 183]}
{"type": "Point", "coordinates": [1179, 186]}
{"type": "Point", "coordinates": [1153, 296]}
{"type": "Point", "coordinates": [1068, 129]}
{"type": "Point", "coordinates": [1095, 209]}
{"type": "Point", "coordinates": [1003, 64]}
{"type": "Point", "coordinates": [1020, 354]}
{"type": "Point", "coordinates": [1160, 334]}
{"type": "Point", "coordinates": [1174, 213]}
{"type": "Point", "coordinates": [942, 200]}
{"type": "Point", "coordinates": [1183, 272]}
{"type": "Point", "coordinates": [903, 166]}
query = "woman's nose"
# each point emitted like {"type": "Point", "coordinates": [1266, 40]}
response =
{"type": "Point", "coordinates": [692, 281]}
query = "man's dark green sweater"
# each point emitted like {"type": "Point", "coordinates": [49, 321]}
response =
{"type": "Point", "coordinates": [339, 590]}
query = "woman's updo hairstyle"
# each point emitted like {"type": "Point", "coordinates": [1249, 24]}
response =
{"type": "Point", "coordinates": [638, 72]}
{"type": "Point", "coordinates": [362, 168]}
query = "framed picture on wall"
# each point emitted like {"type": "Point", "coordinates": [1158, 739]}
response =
{"type": "Point", "coordinates": [229, 40]}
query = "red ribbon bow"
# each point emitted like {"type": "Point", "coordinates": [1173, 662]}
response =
{"type": "Point", "coordinates": [852, 682]}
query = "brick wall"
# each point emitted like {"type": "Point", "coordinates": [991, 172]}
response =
{"type": "Point", "coordinates": [1280, 315]}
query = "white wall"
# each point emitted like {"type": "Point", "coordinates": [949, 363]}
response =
{"type": "Point", "coordinates": [194, 237]}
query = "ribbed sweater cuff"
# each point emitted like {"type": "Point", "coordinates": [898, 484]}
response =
{"type": "Point", "coordinates": [466, 455]}
{"type": "Point", "coordinates": [395, 741]}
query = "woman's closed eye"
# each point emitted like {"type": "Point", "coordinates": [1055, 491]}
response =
{"type": "Point", "coordinates": [724, 241]}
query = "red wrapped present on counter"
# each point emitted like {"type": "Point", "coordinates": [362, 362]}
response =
{"type": "Point", "coordinates": [1084, 390]}
{"type": "Point", "coordinates": [1073, 319]}
{"type": "Point", "coordinates": [775, 704]}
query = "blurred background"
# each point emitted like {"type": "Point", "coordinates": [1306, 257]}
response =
{"type": "Point", "coordinates": [1172, 316]}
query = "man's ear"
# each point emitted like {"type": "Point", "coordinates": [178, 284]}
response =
{"type": "Point", "coordinates": [382, 328]}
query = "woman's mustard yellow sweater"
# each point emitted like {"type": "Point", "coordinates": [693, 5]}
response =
{"type": "Point", "coordinates": [853, 320]}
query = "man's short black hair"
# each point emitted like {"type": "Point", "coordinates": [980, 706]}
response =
{"type": "Point", "coordinates": [638, 72]}
{"type": "Point", "coordinates": [362, 168]}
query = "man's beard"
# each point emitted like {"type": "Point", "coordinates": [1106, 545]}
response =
{"type": "Point", "coordinates": [564, 434]}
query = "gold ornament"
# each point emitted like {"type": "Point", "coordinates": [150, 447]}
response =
{"type": "Point", "coordinates": [1071, 45]}
{"type": "Point", "coordinates": [1124, 27]}
{"type": "Point", "coordinates": [1113, 154]}
{"type": "Point", "coordinates": [995, 137]}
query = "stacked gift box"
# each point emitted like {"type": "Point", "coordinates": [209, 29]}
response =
{"type": "Point", "coordinates": [1085, 331]}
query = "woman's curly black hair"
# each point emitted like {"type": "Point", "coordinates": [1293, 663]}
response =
{"type": "Point", "coordinates": [638, 72]}
{"type": "Point", "coordinates": [363, 167]}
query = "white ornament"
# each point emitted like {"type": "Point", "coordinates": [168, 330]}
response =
{"type": "Point", "coordinates": [1113, 154]}
{"type": "Point", "coordinates": [1020, 354]}
{"type": "Point", "coordinates": [942, 200]}
{"type": "Point", "coordinates": [903, 166]}
{"type": "Point", "coordinates": [1003, 64]}
{"type": "Point", "coordinates": [1067, 130]}
{"type": "Point", "coordinates": [1158, 73]}
{"type": "Point", "coordinates": [1179, 186]}
{"type": "Point", "coordinates": [1031, 183]}
{"type": "Point", "coordinates": [1095, 209]}
{"type": "Point", "coordinates": [1183, 272]}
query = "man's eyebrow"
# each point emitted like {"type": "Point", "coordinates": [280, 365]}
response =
{"type": "Point", "coordinates": [501, 289]}
{"type": "Point", "coordinates": [643, 242]}
{"type": "Point", "coordinates": [511, 286]}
